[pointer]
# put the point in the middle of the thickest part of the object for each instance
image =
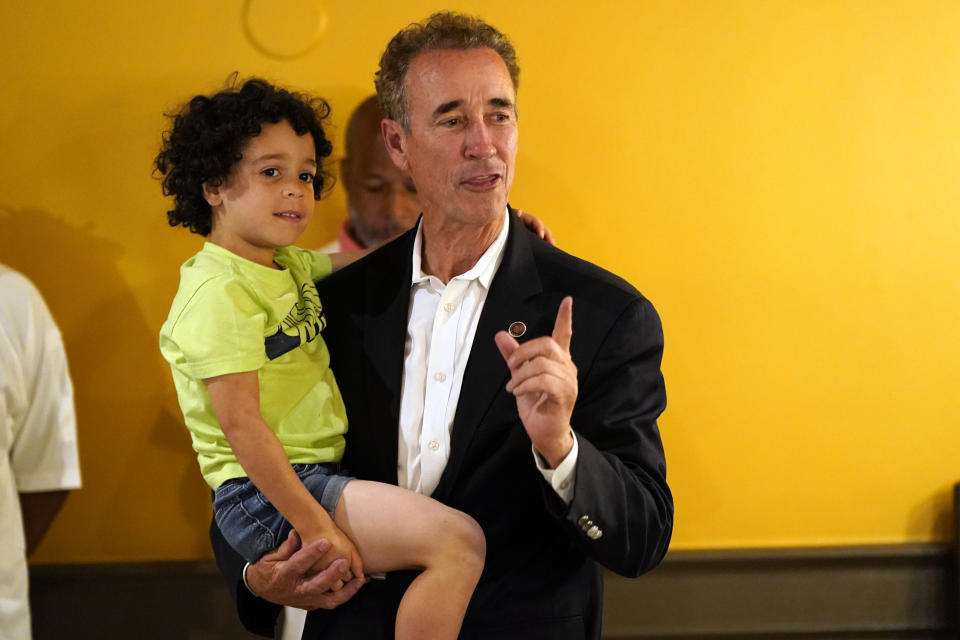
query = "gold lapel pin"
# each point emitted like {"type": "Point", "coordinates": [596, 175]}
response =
{"type": "Point", "coordinates": [517, 329]}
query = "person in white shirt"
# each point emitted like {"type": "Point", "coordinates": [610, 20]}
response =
{"type": "Point", "coordinates": [487, 369]}
{"type": "Point", "coordinates": [38, 439]}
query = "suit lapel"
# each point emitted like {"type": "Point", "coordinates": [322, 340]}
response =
{"type": "Point", "coordinates": [386, 306]}
{"type": "Point", "coordinates": [513, 296]}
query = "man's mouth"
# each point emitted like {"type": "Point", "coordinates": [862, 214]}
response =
{"type": "Point", "coordinates": [290, 215]}
{"type": "Point", "coordinates": [482, 181]}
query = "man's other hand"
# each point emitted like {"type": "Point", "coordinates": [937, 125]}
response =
{"type": "Point", "coordinates": [543, 379]}
{"type": "Point", "coordinates": [285, 576]}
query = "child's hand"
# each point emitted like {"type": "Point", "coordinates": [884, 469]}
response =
{"type": "Point", "coordinates": [342, 547]}
{"type": "Point", "coordinates": [536, 225]}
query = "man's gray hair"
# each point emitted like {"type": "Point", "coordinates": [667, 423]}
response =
{"type": "Point", "coordinates": [442, 30]}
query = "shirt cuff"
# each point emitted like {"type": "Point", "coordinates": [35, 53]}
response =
{"type": "Point", "coordinates": [563, 479]}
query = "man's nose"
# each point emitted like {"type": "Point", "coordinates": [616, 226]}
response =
{"type": "Point", "coordinates": [479, 143]}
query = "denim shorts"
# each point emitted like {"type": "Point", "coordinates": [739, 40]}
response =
{"type": "Point", "coordinates": [252, 525]}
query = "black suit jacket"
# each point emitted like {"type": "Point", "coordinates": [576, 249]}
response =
{"type": "Point", "coordinates": [543, 575]}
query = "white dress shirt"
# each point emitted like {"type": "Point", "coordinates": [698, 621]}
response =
{"type": "Point", "coordinates": [440, 329]}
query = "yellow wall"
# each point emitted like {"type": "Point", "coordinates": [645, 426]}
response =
{"type": "Point", "coordinates": [780, 178]}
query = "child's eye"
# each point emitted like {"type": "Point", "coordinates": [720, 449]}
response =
{"type": "Point", "coordinates": [306, 177]}
{"type": "Point", "coordinates": [270, 172]}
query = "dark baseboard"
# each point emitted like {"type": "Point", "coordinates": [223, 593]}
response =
{"type": "Point", "coordinates": [897, 591]}
{"type": "Point", "coordinates": [143, 601]}
{"type": "Point", "coordinates": [877, 592]}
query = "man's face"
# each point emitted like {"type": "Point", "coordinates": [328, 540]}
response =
{"type": "Point", "coordinates": [382, 199]}
{"type": "Point", "coordinates": [462, 142]}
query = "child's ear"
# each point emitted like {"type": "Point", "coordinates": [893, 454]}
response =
{"type": "Point", "coordinates": [211, 192]}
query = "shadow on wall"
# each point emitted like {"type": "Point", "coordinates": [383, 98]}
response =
{"type": "Point", "coordinates": [132, 445]}
{"type": "Point", "coordinates": [935, 513]}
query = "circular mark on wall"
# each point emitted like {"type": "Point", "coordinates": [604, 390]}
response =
{"type": "Point", "coordinates": [284, 29]}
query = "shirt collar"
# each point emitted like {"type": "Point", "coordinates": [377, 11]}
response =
{"type": "Point", "coordinates": [483, 271]}
{"type": "Point", "coordinates": [345, 237]}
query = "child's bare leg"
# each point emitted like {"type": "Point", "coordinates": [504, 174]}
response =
{"type": "Point", "coordinates": [397, 529]}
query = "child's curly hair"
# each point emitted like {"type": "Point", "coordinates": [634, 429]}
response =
{"type": "Point", "coordinates": [209, 133]}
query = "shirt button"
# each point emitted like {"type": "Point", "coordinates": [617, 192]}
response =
{"type": "Point", "coordinates": [434, 445]}
{"type": "Point", "coordinates": [564, 484]}
{"type": "Point", "coordinates": [449, 307]}
{"type": "Point", "coordinates": [439, 376]}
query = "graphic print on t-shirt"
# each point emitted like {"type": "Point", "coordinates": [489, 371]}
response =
{"type": "Point", "coordinates": [303, 324]}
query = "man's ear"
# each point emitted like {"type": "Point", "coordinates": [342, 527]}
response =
{"type": "Point", "coordinates": [211, 192]}
{"type": "Point", "coordinates": [395, 139]}
{"type": "Point", "coordinates": [346, 171]}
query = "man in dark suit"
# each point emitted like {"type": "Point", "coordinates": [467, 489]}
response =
{"type": "Point", "coordinates": [464, 379]}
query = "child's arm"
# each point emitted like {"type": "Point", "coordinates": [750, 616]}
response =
{"type": "Point", "coordinates": [343, 258]}
{"type": "Point", "coordinates": [236, 402]}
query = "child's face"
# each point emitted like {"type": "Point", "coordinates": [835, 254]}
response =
{"type": "Point", "coordinates": [267, 200]}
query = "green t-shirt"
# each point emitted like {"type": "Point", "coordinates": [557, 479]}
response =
{"type": "Point", "coordinates": [232, 315]}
